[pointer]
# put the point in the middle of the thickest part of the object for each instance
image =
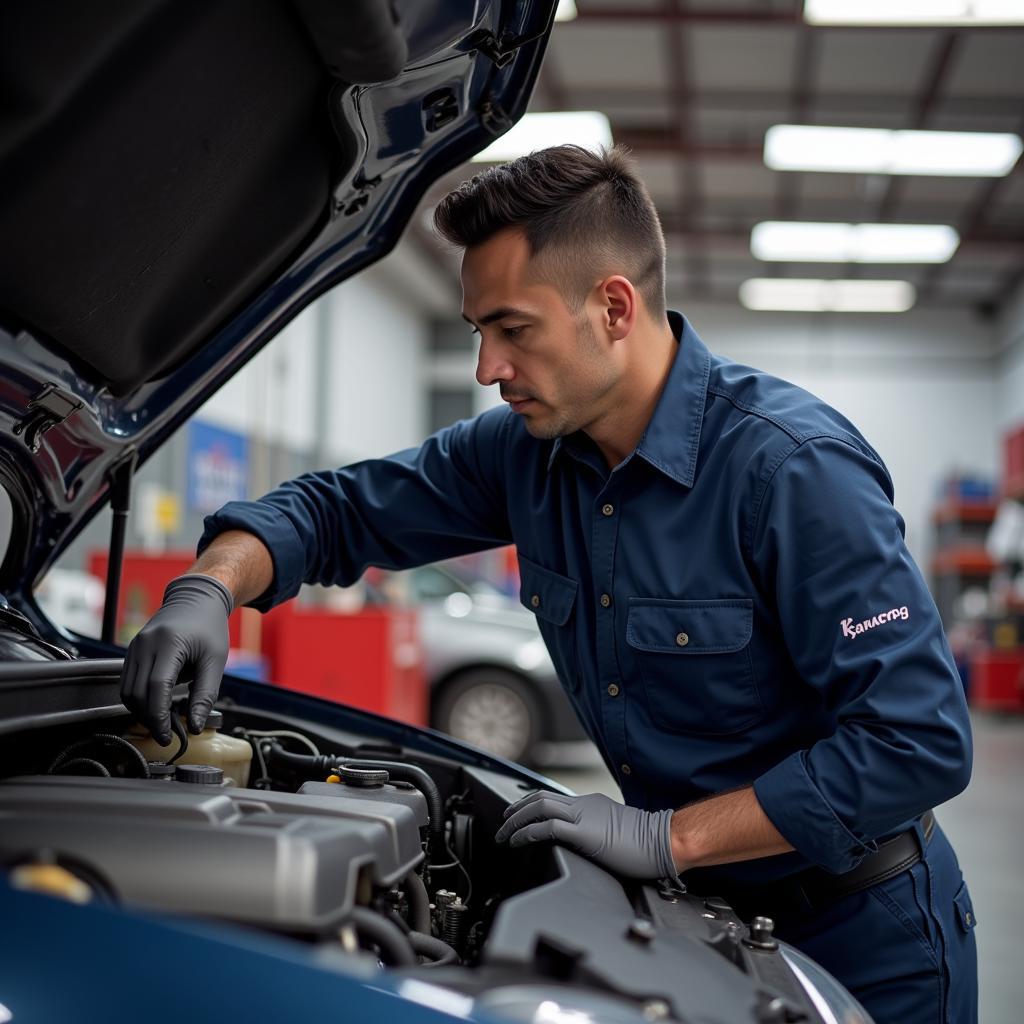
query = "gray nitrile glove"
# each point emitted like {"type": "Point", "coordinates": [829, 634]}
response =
{"type": "Point", "coordinates": [189, 629]}
{"type": "Point", "coordinates": [626, 840]}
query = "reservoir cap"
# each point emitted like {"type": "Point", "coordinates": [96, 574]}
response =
{"type": "Point", "coordinates": [367, 778]}
{"type": "Point", "coordinates": [200, 774]}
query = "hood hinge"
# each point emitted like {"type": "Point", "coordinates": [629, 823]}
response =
{"type": "Point", "coordinates": [500, 51]}
{"type": "Point", "coordinates": [50, 407]}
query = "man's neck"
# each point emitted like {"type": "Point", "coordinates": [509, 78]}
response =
{"type": "Point", "coordinates": [618, 431]}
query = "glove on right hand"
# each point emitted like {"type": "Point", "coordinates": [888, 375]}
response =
{"type": "Point", "coordinates": [189, 629]}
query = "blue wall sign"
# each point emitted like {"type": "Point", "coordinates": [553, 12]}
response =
{"type": "Point", "coordinates": [218, 467]}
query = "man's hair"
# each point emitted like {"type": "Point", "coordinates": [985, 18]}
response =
{"type": "Point", "coordinates": [584, 214]}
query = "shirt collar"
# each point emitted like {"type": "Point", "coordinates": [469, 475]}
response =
{"type": "Point", "coordinates": [672, 438]}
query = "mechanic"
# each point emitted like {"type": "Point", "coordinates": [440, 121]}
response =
{"type": "Point", "coordinates": [716, 567]}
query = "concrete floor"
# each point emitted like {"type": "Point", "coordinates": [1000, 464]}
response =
{"type": "Point", "coordinates": [986, 826]}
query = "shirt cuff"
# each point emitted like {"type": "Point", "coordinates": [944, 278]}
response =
{"type": "Point", "coordinates": [796, 807]}
{"type": "Point", "coordinates": [279, 537]}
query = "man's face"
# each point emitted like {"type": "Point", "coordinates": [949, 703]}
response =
{"type": "Point", "coordinates": [549, 364]}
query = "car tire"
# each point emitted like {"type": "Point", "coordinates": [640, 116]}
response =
{"type": "Point", "coordinates": [491, 708]}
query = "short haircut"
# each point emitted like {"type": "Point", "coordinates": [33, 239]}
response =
{"type": "Point", "coordinates": [589, 214]}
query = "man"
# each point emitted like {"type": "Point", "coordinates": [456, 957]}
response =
{"type": "Point", "coordinates": [716, 567]}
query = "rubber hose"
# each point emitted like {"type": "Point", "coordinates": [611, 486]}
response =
{"type": "Point", "coordinates": [105, 739]}
{"type": "Point", "coordinates": [95, 768]}
{"type": "Point", "coordinates": [179, 730]}
{"type": "Point", "coordinates": [394, 947]}
{"type": "Point", "coordinates": [403, 772]}
{"type": "Point", "coordinates": [419, 902]}
{"type": "Point", "coordinates": [313, 765]}
{"type": "Point", "coordinates": [440, 953]}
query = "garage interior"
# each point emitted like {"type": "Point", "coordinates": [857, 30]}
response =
{"type": "Point", "coordinates": [692, 87]}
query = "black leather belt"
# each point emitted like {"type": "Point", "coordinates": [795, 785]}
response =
{"type": "Point", "coordinates": [815, 888]}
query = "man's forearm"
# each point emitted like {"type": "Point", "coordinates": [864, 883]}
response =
{"type": "Point", "coordinates": [240, 561]}
{"type": "Point", "coordinates": [723, 829]}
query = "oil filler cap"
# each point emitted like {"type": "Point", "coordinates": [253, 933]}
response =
{"type": "Point", "coordinates": [200, 774]}
{"type": "Point", "coordinates": [365, 778]}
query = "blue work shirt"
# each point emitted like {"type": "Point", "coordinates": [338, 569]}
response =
{"type": "Point", "coordinates": [733, 603]}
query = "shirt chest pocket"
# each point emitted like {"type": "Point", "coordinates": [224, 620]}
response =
{"type": "Point", "coordinates": [551, 597]}
{"type": "Point", "coordinates": [694, 660]}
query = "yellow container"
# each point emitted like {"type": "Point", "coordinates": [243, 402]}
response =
{"type": "Point", "coordinates": [229, 753]}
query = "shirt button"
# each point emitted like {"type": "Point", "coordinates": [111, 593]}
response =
{"type": "Point", "coordinates": [608, 509]}
{"type": "Point", "coordinates": [682, 639]}
{"type": "Point", "coordinates": [613, 690]}
{"type": "Point", "coordinates": [535, 601]}
{"type": "Point", "coordinates": [605, 600]}
{"type": "Point", "coordinates": [625, 769]}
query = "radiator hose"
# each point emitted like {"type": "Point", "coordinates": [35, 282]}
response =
{"type": "Point", "coordinates": [316, 765]}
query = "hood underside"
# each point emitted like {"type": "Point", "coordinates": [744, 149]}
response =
{"type": "Point", "coordinates": [178, 180]}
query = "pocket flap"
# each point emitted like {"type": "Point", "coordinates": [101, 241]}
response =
{"type": "Point", "coordinates": [547, 593]}
{"type": "Point", "coordinates": [690, 627]}
{"type": "Point", "coordinates": [964, 908]}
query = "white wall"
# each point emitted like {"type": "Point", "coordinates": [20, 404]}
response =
{"type": "Point", "coordinates": [375, 330]}
{"type": "Point", "coordinates": [376, 351]}
{"type": "Point", "coordinates": [919, 386]}
{"type": "Point", "coordinates": [269, 397]}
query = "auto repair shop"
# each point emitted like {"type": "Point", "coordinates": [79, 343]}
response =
{"type": "Point", "coordinates": [841, 191]}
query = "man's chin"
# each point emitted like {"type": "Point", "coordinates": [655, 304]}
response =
{"type": "Point", "coordinates": [544, 428]}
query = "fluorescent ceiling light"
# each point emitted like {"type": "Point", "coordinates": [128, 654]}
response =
{"type": "Point", "coordinates": [805, 295]}
{"type": "Point", "coordinates": [587, 128]}
{"type": "Point", "coordinates": [565, 11]}
{"type": "Point", "coordinates": [795, 147]}
{"type": "Point", "coordinates": [805, 242]}
{"type": "Point", "coordinates": [914, 12]}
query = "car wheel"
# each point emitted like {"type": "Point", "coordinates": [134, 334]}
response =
{"type": "Point", "coordinates": [492, 709]}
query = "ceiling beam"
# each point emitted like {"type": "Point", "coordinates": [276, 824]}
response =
{"type": "Point", "coordinates": [805, 65]}
{"type": "Point", "coordinates": [678, 55]}
{"type": "Point", "coordinates": [974, 220]}
{"type": "Point", "coordinates": [942, 60]}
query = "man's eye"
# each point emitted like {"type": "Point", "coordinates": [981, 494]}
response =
{"type": "Point", "coordinates": [513, 332]}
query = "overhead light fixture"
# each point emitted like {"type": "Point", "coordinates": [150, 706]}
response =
{"type": "Point", "coordinates": [914, 12]}
{"type": "Point", "coordinates": [587, 128]}
{"type": "Point", "coordinates": [565, 11]}
{"type": "Point", "coordinates": [804, 295]}
{"type": "Point", "coordinates": [807, 242]}
{"type": "Point", "coordinates": [796, 147]}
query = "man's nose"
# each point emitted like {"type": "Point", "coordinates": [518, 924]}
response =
{"type": "Point", "coordinates": [491, 364]}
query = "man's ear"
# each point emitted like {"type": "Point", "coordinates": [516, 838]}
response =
{"type": "Point", "coordinates": [620, 307]}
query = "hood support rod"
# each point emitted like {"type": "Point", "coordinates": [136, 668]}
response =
{"type": "Point", "coordinates": [120, 476]}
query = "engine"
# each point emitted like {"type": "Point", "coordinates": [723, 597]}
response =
{"type": "Point", "coordinates": [386, 857]}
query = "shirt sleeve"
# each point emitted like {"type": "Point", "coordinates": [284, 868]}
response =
{"type": "Point", "coordinates": [861, 628]}
{"type": "Point", "coordinates": [443, 499]}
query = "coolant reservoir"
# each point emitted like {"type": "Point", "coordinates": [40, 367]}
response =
{"type": "Point", "coordinates": [228, 753]}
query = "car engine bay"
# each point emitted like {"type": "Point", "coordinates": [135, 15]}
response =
{"type": "Point", "coordinates": [367, 851]}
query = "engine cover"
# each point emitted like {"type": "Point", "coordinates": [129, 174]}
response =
{"type": "Point", "coordinates": [290, 862]}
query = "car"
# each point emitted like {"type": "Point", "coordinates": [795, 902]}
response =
{"type": "Point", "coordinates": [492, 682]}
{"type": "Point", "coordinates": [180, 180]}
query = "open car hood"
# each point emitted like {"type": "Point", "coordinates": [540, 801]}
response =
{"type": "Point", "coordinates": [180, 180]}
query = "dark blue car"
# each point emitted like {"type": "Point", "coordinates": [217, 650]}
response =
{"type": "Point", "coordinates": [178, 179]}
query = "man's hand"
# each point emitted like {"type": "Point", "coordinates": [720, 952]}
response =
{"type": "Point", "coordinates": [625, 840]}
{"type": "Point", "coordinates": [189, 629]}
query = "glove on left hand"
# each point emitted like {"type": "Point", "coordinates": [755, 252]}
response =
{"type": "Point", "coordinates": [625, 840]}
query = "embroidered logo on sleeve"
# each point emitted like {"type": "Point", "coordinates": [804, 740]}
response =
{"type": "Point", "coordinates": [852, 629]}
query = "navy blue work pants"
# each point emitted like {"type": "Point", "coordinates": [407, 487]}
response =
{"type": "Point", "coordinates": [905, 948]}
